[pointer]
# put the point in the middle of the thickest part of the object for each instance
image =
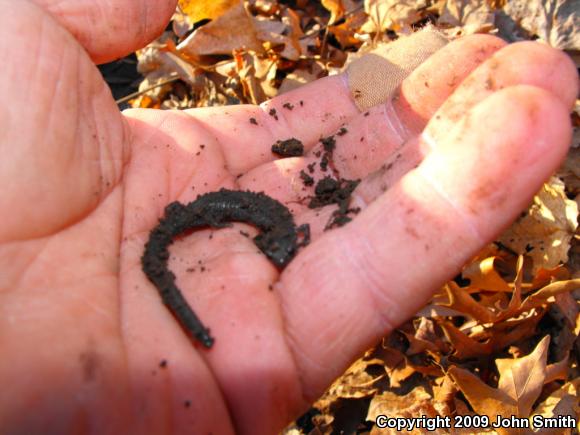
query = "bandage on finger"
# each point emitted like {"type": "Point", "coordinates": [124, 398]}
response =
{"type": "Point", "coordinates": [373, 78]}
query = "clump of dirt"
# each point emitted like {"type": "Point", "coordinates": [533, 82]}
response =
{"type": "Point", "coordinates": [288, 148]}
{"type": "Point", "coordinates": [331, 189]}
{"type": "Point", "coordinates": [328, 144]}
{"type": "Point", "coordinates": [335, 191]}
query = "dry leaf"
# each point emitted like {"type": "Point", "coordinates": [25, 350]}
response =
{"type": "Point", "coordinates": [469, 16]}
{"type": "Point", "coordinates": [425, 338]}
{"type": "Point", "coordinates": [520, 384]}
{"type": "Point", "coordinates": [552, 290]}
{"type": "Point", "coordinates": [484, 399]}
{"type": "Point", "coordinates": [235, 29]}
{"type": "Point", "coordinates": [554, 21]}
{"type": "Point", "coordinates": [511, 331]}
{"type": "Point", "coordinates": [391, 14]}
{"type": "Point", "coordinates": [569, 172]}
{"type": "Point", "coordinates": [274, 33]}
{"type": "Point", "coordinates": [347, 33]}
{"type": "Point", "coordinates": [522, 379]}
{"type": "Point", "coordinates": [198, 10]}
{"type": "Point", "coordinates": [356, 381]}
{"type": "Point", "coordinates": [417, 402]}
{"type": "Point", "coordinates": [460, 300]}
{"type": "Point", "coordinates": [336, 9]}
{"type": "Point", "coordinates": [557, 371]}
{"type": "Point", "coordinates": [483, 275]}
{"type": "Point", "coordinates": [465, 346]}
{"type": "Point", "coordinates": [545, 232]}
{"type": "Point", "coordinates": [563, 401]}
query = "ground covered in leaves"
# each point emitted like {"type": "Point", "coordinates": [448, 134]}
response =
{"type": "Point", "coordinates": [502, 337]}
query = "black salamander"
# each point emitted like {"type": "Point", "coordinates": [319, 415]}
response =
{"type": "Point", "coordinates": [278, 240]}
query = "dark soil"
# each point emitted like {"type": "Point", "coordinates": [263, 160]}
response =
{"type": "Point", "coordinates": [288, 148]}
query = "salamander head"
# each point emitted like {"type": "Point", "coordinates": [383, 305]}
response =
{"type": "Point", "coordinates": [279, 248]}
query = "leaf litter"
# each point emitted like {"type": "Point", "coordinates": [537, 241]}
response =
{"type": "Point", "coordinates": [502, 338]}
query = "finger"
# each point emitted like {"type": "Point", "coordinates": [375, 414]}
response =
{"type": "Point", "coordinates": [368, 140]}
{"type": "Point", "coordinates": [523, 63]}
{"type": "Point", "coordinates": [317, 109]}
{"type": "Point", "coordinates": [518, 64]}
{"type": "Point", "coordinates": [114, 28]}
{"type": "Point", "coordinates": [380, 152]}
{"type": "Point", "coordinates": [64, 153]}
{"type": "Point", "coordinates": [356, 283]}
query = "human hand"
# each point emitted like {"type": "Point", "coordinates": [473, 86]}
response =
{"type": "Point", "coordinates": [87, 344]}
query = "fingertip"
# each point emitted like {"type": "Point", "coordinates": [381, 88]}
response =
{"type": "Point", "coordinates": [491, 164]}
{"type": "Point", "coordinates": [429, 86]}
{"type": "Point", "coordinates": [544, 66]}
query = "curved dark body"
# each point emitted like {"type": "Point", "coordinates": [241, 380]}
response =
{"type": "Point", "coordinates": [278, 240]}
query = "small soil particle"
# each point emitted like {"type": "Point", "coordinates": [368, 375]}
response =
{"type": "Point", "coordinates": [288, 106]}
{"type": "Point", "coordinates": [273, 114]}
{"type": "Point", "coordinates": [288, 148]}
{"type": "Point", "coordinates": [253, 121]}
{"type": "Point", "coordinates": [163, 363]}
{"type": "Point", "coordinates": [310, 167]}
{"type": "Point", "coordinates": [306, 179]}
{"type": "Point", "coordinates": [342, 131]}
{"type": "Point", "coordinates": [328, 144]}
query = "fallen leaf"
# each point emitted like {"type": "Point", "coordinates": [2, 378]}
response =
{"type": "Point", "coordinates": [469, 16]}
{"type": "Point", "coordinates": [545, 231]}
{"type": "Point", "coordinates": [417, 402]}
{"type": "Point", "coordinates": [483, 274]}
{"type": "Point", "coordinates": [557, 371]}
{"type": "Point", "coordinates": [235, 29]}
{"type": "Point", "coordinates": [198, 10]}
{"type": "Point", "coordinates": [336, 9]}
{"type": "Point", "coordinates": [347, 33]}
{"type": "Point", "coordinates": [512, 331]}
{"type": "Point", "coordinates": [465, 346]}
{"type": "Point", "coordinates": [551, 290]}
{"type": "Point", "coordinates": [484, 399]}
{"type": "Point", "coordinates": [569, 172]}
{"type": "Point", "coordinates": [522, 379]}
{"type": "Point", "coordinates": [461, 301]}
{"type": "Point", "coordinates": [562, 402]}
{"type": "Point", "coordinates": [554, 21]}
{"type": "Point", "coordinates": [356, 381]}
{"type": "Point", "coordinates": [520, 384]}
{"type": "Point", "coordinates": [391, 14]}
{"type": "Point", "coordinates": [273, 32]}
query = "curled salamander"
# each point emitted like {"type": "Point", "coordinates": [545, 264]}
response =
{"type": "Point", "coordinates": [278, 240]}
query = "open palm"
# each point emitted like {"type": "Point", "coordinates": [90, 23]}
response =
{"type": "Point", "coordinates": [87, 345]}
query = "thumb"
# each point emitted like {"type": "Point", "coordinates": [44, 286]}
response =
{"type": "Point", "coordinates": [62, 139]}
